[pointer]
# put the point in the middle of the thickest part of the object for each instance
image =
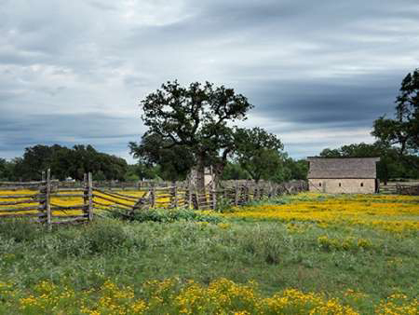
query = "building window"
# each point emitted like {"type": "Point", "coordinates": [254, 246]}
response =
{"type": "Point", "coordinates": [362, 184]}
{"type": "Point", "coordinates": [340, 184]}
{"type": "Point", "coordinates": [320, 184]}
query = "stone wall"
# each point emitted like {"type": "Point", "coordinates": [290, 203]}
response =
{"type": "Point", "coordinates": [343, 186]}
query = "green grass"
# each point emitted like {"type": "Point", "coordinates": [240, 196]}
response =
{"type": "Point", "coordinates": [274, 254]}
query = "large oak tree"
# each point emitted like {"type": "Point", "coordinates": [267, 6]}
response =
{"type": "Point", "coordinates": [195, 121]}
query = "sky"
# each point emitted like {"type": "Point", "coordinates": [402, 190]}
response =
{"type": "Point", "coordinates": [317, 72]}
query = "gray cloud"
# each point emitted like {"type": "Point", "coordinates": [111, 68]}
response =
{"type": "Point", "coordinates": [318, 72]}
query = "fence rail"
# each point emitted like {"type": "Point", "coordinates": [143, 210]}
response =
{"type": "Point", "coordinates": [53, 202]}
{"type": "Point", "coordinates": [400, 188]}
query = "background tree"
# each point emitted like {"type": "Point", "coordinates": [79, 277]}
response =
{"type": "Point", "coordinates": [291, 169]}
{"type": "Point", "coordinates": [403, 131]}
{"type": "Point", "coordinates": [195, 120]}
{"type": "Point", "coordinates": [173, 160]}
{"type": "Point", "coordinates": [142, 171]}
{"type": "Point", "coordinates": [6, 170]}
{"type": "Point", "coordinates": [258, 152]}
{"type": "Point", "coordinates": [65, 162]}
{"type": "Point", "coordinates": [233, 171]}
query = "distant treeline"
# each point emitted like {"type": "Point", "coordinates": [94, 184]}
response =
{"type": "Point", "coordinates": [74, 162]}
{"type": "Point", "coordinates": [64, 163]}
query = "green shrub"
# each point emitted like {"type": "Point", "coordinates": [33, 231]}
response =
{"type": "Point", "coordinates": [20, 230]}
{"type": "Point", "coordinates": [167, 216]}
{"type": "Point", "coordinates": [104, 235]}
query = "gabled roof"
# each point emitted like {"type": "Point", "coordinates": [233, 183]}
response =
{"type": "Point", "coordinates": [342, 167]}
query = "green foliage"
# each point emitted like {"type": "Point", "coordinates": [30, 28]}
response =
{"type": "Point", "coordinates": [233, 171]}
{"type": "Point", "coordinates": [19, 230]}
{"type": "Point", "coordinates": [258, 152]}
{"type": "Point", "coordinates": [403, 130]}
{"type": "Point", "coordinates": [276, 255]}
{"type": "Point", "coordinates": [346, 244]}
{"type": "Point", "coordinates": [6, 170]}
{"type": "Point", "coordinates": [141, 171]}
{"type": "Point", "coordinates": [65, 162]}
{"type": "Point", "coordinates": [174, 162]}
{"type": "Point", "coordinates": [166, 216]}
{"type": "Point", "coordinates": [223, 205]}
{"type": "Point", "coordinates": [291, 169]}
{"type": "Point", "coordinates": [191, 121]}
{"type": "Point", "coordinates": [105, 236]}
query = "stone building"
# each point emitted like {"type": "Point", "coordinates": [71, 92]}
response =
{"type": "Point", "coordinates": [208, 176]}
{"type": "Point", "coordinates": [343, 175]}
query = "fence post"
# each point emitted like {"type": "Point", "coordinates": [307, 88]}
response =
{"type": "Point", "coordinates": [85, 194]}
{"type": "Point", "coordinates": [189, 194]}
{"type": "Point", "coordinates": [236, 193]}
{"type": "Point", "coordinates": [213, 191]}
{"type": "Point", "coordinates": [198, 199]}
{"type": "Point", "coordinates": [175, 200]}
{"type": "Point", "coordinates": [214, 198]}
{"type": "Point", "coordinates": [90, 196]}
{"type": "Point", "coordinates": [48, 198]}
{"type": "Point", "coordinates": [152, 195]}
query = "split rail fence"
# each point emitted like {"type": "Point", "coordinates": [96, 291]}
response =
{"type": "Point", "coordinates": [53, 202]}
{"type": "Point", "coordinates": [400, 188]}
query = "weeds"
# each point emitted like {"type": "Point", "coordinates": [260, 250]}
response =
{"type": "Point", "coordinates": [166, 216]}
{"type": "Point", "coordinates": [356, 265]}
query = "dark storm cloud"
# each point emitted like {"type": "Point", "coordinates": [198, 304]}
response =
{"type": "Point", "coordinates": [318, 72]}
{"type": "Point", "coordinates": [311, 102]}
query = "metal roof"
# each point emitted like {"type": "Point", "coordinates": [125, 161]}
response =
{"type": "Point", "coordinates": [342, 167]}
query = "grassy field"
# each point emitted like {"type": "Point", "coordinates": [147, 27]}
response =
{"type": "Point", "coordinates": [298, 254]}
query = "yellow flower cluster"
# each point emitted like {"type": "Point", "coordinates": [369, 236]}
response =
{"type": "Point", "coordinates": [47, 297]}
{"type": "Point", "coordinates": [343, 244]}
{"type": "Point", "coordinates": [388, 212]}
{"type": "Point", "coordinates": [398, 304]}
{"type": "Point", "coordinates": [172, 296]}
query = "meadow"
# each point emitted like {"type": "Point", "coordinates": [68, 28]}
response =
{"type": "Point", "coordinates": [302, 254]}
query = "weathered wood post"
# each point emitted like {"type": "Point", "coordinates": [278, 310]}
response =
{"type": "Point", "coordinates": [189, 194]}
{"type": "Point", "coordinates": [175, 195]}
{"type": "Point", "coordinates": [213, 191]}
{"type": "Point", "coordinates": [255, 191]}
{"type": "Point", "coordinates": [152, 195]}
{"type": "Point", "coordinates": [48, 198]}
{"type": "Point", "coordinates": [236, 193]}
{"type": "Point", "coordinates": [261, 192]}
{"type": "Point", "coordinates": [198, 199]}
{"type": "Point", "coordinates": [90, 197]}
{"type": "Point", "coordinates": [85, 194]}
{"type": "Point", "coordinates": [213, 198]}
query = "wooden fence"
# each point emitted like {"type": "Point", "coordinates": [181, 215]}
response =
{"type": "Point", "coordinates": [53, 202]}
{"type": "Point", "coordinates": [43, 201]}
{"type": "Point", "coordinates": [400, 188]}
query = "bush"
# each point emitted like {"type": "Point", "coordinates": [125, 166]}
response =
{"type": "Point", "coordinates": [20, 230]}
{"type": "Point", "coordinates": [105, 235]}
{"type": "Point", "coordinates": [167, 216]}
{"type": "Point", "coordinates": [268, 244]}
